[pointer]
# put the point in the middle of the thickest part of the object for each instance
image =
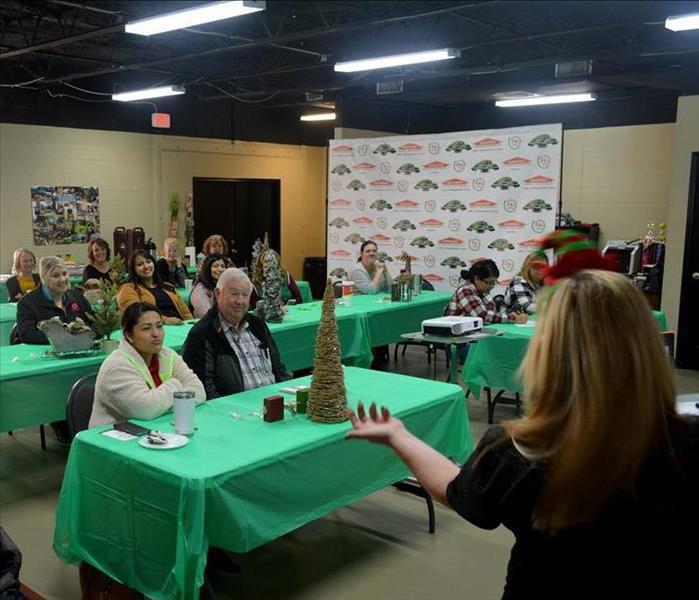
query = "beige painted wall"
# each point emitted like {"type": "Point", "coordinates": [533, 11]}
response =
{"type": "Point", "coordinates": [618, 177]}
{"type": "Point", "coordinates": [686, 141]}
{"type": "Point", "coordinates": [136, 174]}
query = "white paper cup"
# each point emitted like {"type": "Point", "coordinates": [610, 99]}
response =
{"type": "Point", "coordinates": [183, 407]}
{"type": "Point", "coordinates": [347, 292]}
{"type": "Point", "coordinates": [188, 284]}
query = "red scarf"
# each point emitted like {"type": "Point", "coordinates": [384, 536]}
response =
{"type": "Point", "coordinates": [154, 369]}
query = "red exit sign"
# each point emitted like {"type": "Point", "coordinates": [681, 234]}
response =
{"type": "Point", "coordinates": [160, 120]}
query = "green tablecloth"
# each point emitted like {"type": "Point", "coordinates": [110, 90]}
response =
{"type": "Point", "coordinates": [237, 484]}
{"type": "Point", "coordinates": [493, 362]}
{"type": "Point", "coordinates": [35, 387]}
{"type": "Point", "coordinates": [8, 316]}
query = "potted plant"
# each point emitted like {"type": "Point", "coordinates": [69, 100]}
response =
{"type": "Point", "coordinates": [105, 315]}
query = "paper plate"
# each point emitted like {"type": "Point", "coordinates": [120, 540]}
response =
{"type": "Point", "coordinates": [174, 440]}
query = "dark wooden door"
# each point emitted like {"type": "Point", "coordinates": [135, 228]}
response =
{"type": "Point", "coordinates": [240, 210]}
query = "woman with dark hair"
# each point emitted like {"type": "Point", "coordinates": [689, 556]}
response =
{"type": "Point", "coordinates": [202, 298]}
{"type": "Point", "coordinates": [137, 381]}
{"type": "Point", "coordinates": [520, 293]}
{"type": "Point", "coordinates": [371, 275]}
{"type": "Point", "coordinates": [470, 300]}
{"type": "Point", "coordinates": [53, 298]}
{"type": "Point", "coordinates": [23, 279]}
{"type": "Point", "coordinates": [599, 481]}
{"type": "Point", "coordinates": [145, 285]}
{"type": "Point", "coordinates": [98, 267]}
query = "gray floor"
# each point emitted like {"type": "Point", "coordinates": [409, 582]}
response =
{"type": "Point", "coordinates": [378, 548]}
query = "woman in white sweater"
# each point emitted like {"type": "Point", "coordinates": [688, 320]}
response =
{"type": "Point", "coordinates": [138, 379]}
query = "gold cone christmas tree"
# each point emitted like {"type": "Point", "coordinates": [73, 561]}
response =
{"type": "Point", "coordinates": [328, 398]}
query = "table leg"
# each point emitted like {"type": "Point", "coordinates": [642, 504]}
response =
{"type": "Point", "coordinates": [454, 364]}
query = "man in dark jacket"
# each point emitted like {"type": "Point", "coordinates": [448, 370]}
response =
{"type": "Point", "coordinates": [229, 349]}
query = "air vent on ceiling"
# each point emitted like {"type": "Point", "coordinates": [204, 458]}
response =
{"type": "Point", "coordinates": [313, 97]}
{"type": "Point", "coordinates": [389, 87]}
{"type": "Point", "coordinates": [580, 68]}
{"type": "Point", "coordinates": [515, 95]}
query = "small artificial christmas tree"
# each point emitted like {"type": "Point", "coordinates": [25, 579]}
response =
{"type": "Point", "coordinates": [105, 314]}
{"type": "Point", "coordinates": [405, 276]}
{"type": "Point", "coordinates": [328, 398]}
{"type": "Point", "coordinates": [256, 274]}
{"type": "Point", "coordinates": [271, 290]}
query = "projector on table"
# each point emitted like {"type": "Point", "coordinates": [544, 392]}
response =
{"type": "Point", "coordinates": [452, 325]}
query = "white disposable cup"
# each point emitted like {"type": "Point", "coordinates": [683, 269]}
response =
{"type": "Point", "coordinates": [347, 292]}
{"type": "Point", "coordinates": [188, 284]}
{"type": "Point", "coordinates": [183, 407]}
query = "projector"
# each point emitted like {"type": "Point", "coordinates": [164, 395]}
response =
{"type": "Point", "coordinates": [452, 325]}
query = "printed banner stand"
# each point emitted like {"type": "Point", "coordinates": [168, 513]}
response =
{"type": "Point", "coordinates": [447, 199]}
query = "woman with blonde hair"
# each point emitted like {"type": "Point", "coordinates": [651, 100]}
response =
{"type": "Point", "coordinates": [169, 267]}
{"type": "Point", "coordinates": [599, 482]}
{"type": "Point", "coordinates": [520, 293]}
{"type": "Point", "coordinates": [23, 279]}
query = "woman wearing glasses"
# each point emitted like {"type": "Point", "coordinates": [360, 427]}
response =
{"type": "Point", "coordinates": [471, 299]}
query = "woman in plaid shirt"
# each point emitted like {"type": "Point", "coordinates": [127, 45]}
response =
{"type": "Point", "coordinates": [519, 296]}
{"type": "Point", "coordinates": [470, 300]}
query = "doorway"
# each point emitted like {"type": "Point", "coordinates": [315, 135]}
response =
{"type": "Point", "coordinates": [241, 210]}
{"type": "Point", "coordinates": [687, 355]}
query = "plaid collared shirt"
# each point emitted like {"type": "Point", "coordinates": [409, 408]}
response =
{"type": "Point", "coordinates": [468, 302]}
{"type": "Point", "coordinates": [255, 363]}
{"type": "Point", "coordinates": [519, 296]}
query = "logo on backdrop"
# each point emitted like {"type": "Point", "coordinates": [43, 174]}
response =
{"type": "Point", "coordinates": [341, 203]}
{"type": "Point", "coordinates": [364, 166]}
{"type": "Point", "coordinates": [453, 206]}
{"type": "Point", "coordinates": [381, 222]}
{"type": "Point", "coordinates": [433, 147]}
{"type": "Point", "coordinates": [512, 224]}
{"type": "Point", "coordinates": [361, 203]}
{"type": "Point", "coordinates": [399, 241]}
{"type": "Point", "coordinates": [381, 204]}
{"type": "Point", "coordinates": [429, 260]}
{"type": "Point", "coordinates": [343, 149]}
{"type": "Point", "coordinates": [510, 205]}
{"type": "Point", "coordinates": [531, 243]}
{"type": "Point", "coordinates": [517, 162]}
{"type": "Point", "coordinates": [454, 280]}
{"type": "Point", "coordinates": [538, 225]}
{"type": "Point", "coordinates": [363, 221]}
{"type": "Point", "coordinates": [514, 142]}
{"type": "Point", "coordinates": [431, 223]}
{"type": "Point", "coordinates": [454, 224]}
{"type": "Point", "coordinates": [459, 166]}
{"type": "Point", "coordinates": [380, 237]}
{"type": "Point", "coordinates": [508, 265]}
{"type": "Point", "coordinates": [430, 205]}
{"type": "Point", "coordinates": [544, 161]}
{"type": "Point", "coordinates": [335, 237]}
{"type": "Point", "coordinates": [403, 186]}
{"type": "Point", "coordinates": [385, 167]}
{"type": "Point", "coordinates": [435, 165]}
{"type": "Point", "coordinates": [336, 185]}
{"type": "Point", "coordinates": [474, 244]}
{"type": "Point", "coordinates": [409, 148]}
{"type": "Point", "coordinates": [479, 184]}
{"type": "Point", "coordinates": [363, 149]}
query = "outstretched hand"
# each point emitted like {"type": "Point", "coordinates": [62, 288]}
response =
{"type": "Point", "coordinates": [378, 427]}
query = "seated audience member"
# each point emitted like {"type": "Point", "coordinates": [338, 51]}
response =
{"type": "Point", "coordinates": [371, 275]}
{"type": "Point", "coordinates": [137, 380]}
{"type": "Point", "coordinates": [287, 284]}
{"type": "Point", "coordinates": [53, 298]}
{"type": "Point", "coordinates": [599, 481]}
{"type": "Point", "coordinates": [170, 268]}
{"type": "Point", "coordinates": [230, 349]}
{"type": "Point", "coordinates": [519, 296]}
{"type": "Point", "coordinates": [145, 285]}
{"type": "Point", "coordinates": [98, 266]}
{"type": "Point", "coordinates": [471, 300]}
{"type": "Point", "coordinates": [23, 279]}
{"type": "Point", "coordinates": [202, 297]}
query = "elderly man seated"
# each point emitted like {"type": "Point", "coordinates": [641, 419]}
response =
{"type": "Point", "coordinates": [229, 349]}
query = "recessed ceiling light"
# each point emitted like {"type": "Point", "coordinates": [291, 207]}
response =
{"type": "Point", "coordinates": [190, 17]}
{"type": "Point", "coordinates": [396, 60]}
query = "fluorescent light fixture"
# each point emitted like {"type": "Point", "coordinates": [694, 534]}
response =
{"type": "Point", "coordinates": [319, 117]}
{"type": "Point", "coordinates": [396, 60]}
{"type": "Point", "coordinates": [682, 22]}
{"type": "Point", "coordinates": [539, 100]}
{"type": "Point", "coordinates": [157, 92]}
{"type": "Point", "coordinates": [190, 17]}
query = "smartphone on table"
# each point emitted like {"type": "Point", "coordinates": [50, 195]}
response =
{"type": "Point", "coordinates": [132, 428]}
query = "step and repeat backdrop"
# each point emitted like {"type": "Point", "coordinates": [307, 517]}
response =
{"type": "Point", "coordinates": [446, 199]}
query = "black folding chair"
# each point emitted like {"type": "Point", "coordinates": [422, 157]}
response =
{"type": "Point", "coordinates": [79, 404]}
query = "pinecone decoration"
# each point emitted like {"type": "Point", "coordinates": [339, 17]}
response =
{"type": "Point", "coordinates": [328, 398]}
{"type": "Point", "coordinates": [272, 294]}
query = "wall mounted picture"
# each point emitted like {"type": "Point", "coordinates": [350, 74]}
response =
{"type": "Point", "coordinates": [64, 214]}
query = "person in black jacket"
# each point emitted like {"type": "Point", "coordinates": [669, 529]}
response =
{"type": "Point", "coordinates": [229, 349]}
{"type": "Point", "coordinates": [53, 298]}
{"type": "Point", "coordinates": [99, 267]}
{"type": "Point", "coordinates": [599, 482]}
{"type": "Point", "coordinates": [23, 279]}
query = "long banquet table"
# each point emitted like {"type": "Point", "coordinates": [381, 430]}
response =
{"type": "Point", "coordinates": [237, 484]}
{"type": "Point", "coordinates": [35, 386]}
